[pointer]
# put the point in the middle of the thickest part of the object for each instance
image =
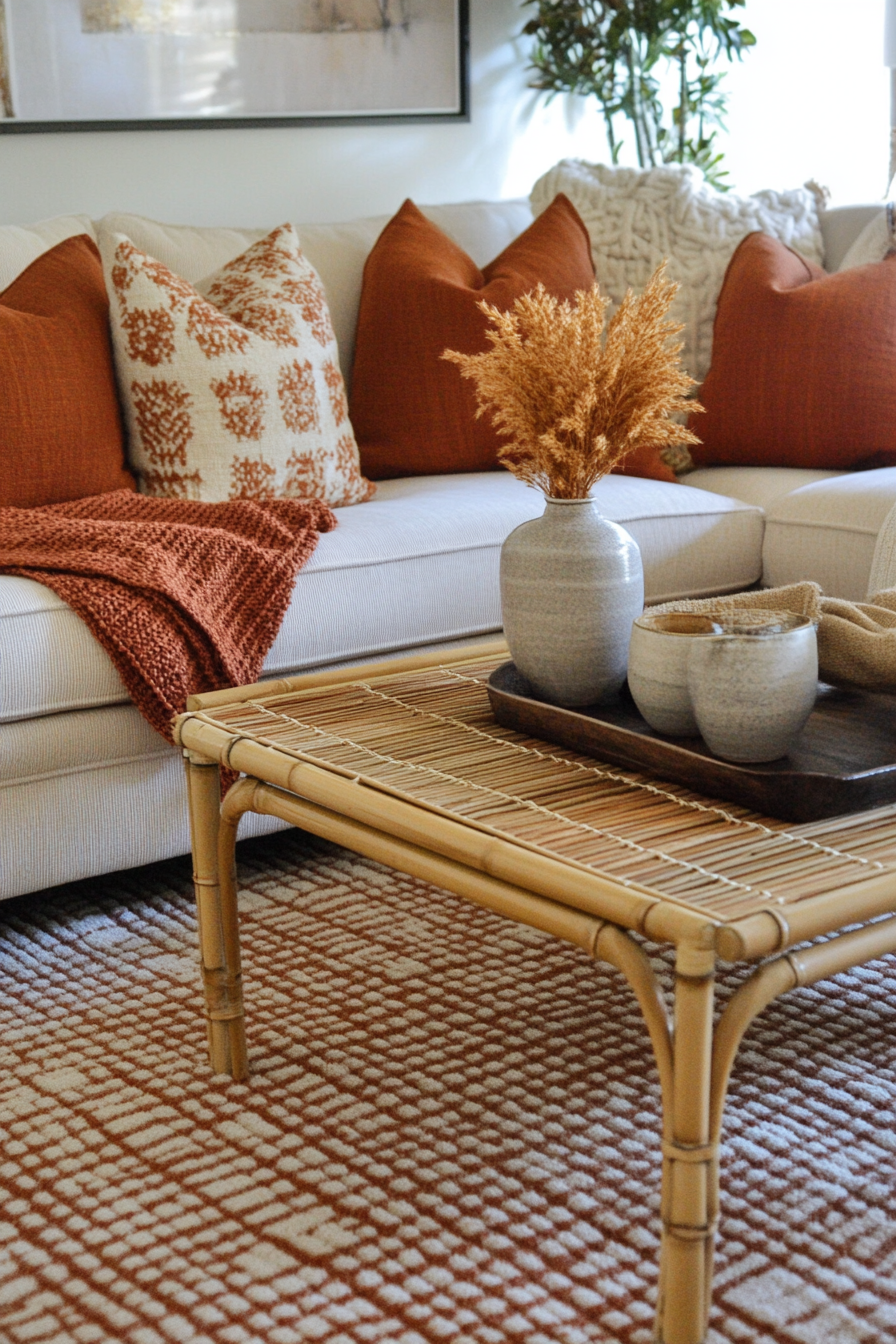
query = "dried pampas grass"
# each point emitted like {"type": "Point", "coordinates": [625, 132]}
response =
{"type": "Point", "coordinates": [571, 404]}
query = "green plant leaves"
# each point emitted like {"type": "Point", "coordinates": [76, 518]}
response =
{"type": "Point", "coordinates": [630, 55]}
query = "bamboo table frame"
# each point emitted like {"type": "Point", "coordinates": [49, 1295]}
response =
{"type": "Point", "coordinates": [588, 908]}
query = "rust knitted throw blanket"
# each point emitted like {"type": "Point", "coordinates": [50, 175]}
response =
{"type": "Point", "coordinates": [184, 597]}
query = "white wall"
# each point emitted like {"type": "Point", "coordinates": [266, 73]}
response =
{"type": "Point", "coordinates": [264, 176]}
{"type": "Point", "coordinates": [810, 101]}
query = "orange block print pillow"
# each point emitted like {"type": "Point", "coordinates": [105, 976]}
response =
{"type": "Point", "coordinates": [232, 388]}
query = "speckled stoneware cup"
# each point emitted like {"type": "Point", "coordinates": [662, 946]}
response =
{"type": "Point", "coordinates": [753, 687]}
{"type": "Point", "coordinates": [658, 657]}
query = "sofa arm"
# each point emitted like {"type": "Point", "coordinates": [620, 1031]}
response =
{"type": "Point", "coordinates": [883, 564]}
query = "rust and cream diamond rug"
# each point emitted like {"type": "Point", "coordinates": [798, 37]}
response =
{"type": "Point", "coordinates": [450, 1133]}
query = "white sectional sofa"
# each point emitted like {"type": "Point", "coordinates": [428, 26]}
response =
{"type": "Point", "coordinates": [87, 787]}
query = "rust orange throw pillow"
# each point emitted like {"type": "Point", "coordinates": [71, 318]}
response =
{"type": "Point", "coordinates": [61, 433]}
{"type": "Point", "coordinates": [413, 413]}
{"type": "Point", "coordinates": [803, 364]}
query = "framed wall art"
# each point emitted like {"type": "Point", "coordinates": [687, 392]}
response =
{"type": "Point", "coordinates": [147, 64]}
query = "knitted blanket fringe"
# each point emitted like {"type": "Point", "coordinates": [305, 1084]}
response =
{"type": "Point", "coordinates": [856, 640]}
{"type": "Point", "coordinates": [183, 596]}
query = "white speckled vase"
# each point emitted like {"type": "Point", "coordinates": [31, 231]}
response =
{"type": "Point", "coordinates": [571, 586]}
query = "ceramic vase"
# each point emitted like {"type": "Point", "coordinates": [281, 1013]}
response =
{"type": "Point", "coordinates": [571, 586]}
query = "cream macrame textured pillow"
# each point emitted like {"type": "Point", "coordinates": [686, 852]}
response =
{"type": "Point", "coordinates": [232, 388]}
{"type": "Point", "coordinates": [636, 218]}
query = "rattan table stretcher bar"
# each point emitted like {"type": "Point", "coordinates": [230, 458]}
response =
{"type": "Point", "coordinates": [403, 762]}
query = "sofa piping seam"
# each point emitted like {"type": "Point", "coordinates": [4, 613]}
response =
{"type": "Point", "coordinates": [824, 527]}
{"type": "Point", "coordinates": [86, 769]}
{"type": "Point", "coordinates": [709, 514]}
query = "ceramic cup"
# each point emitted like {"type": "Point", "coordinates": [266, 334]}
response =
{"type": "Point", "coordinates": [753, 686]}
{"type": "Point", "coordinates": [658, 658]}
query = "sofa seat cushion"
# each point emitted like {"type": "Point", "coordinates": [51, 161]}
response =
{"type": "Point", "coordinates": [64, 744]}
{"type": "Point", "coordinates": [762, 486]}
{"type": "Point", "coordinates": [828, 531]}
{"type": "Point", "coordinates": [416, 565]}
{"type": "Point", "coordinates": [106, 788]}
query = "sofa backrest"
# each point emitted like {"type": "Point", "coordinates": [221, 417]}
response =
{"type": "Point", "coordinates": [20, 244]}
{"type": "Point", "coordinates": [336, 251]}
{"type": "Point", "coordinates": [841, 226]}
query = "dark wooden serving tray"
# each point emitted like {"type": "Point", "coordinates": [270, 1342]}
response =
{"type": "Point", "coordinates": [845, 760]}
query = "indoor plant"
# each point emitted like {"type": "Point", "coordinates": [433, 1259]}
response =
{"type": "Point", "coordinates": [572, 404]}
{"type": "Point", "coordinates": [652, 62]}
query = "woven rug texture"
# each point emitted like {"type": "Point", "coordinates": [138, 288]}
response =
{"type": "Point", "coordinates": [450, 1132]}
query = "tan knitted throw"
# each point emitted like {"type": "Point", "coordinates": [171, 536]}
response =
{"type": "Point", "coordinates": [183, 596]}
{"type": "Point", "coordinates": [856, 640]}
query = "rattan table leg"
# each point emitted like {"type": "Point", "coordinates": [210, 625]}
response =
{"type": "Point", "coordinates": [690, 1159]}
{"type": "Point", "coordinates": [683, 1052]}
{"type": "Point", "coordinates": [217, 916]}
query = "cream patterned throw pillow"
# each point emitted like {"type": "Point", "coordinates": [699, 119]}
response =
{"type": "Point", "coordinates": [636, 217]}
{"type": "Point", "coordinates": [232, 388]}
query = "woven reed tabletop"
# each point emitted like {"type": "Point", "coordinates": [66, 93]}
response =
{"type": "Point", "coordinates": [428, 736]}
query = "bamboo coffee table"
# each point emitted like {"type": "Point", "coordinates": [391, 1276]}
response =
{"type": "Point", "coordinates": [403, 762]}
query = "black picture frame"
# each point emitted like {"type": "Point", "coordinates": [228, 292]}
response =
{"type": "Point", "coordinates": [459, 113]}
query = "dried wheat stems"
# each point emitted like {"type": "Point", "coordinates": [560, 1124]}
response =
{"type": "Point", "coordinates": [573, 404]}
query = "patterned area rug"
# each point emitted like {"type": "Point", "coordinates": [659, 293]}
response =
{"type": "Point", "coordinates": [450, 1133]}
